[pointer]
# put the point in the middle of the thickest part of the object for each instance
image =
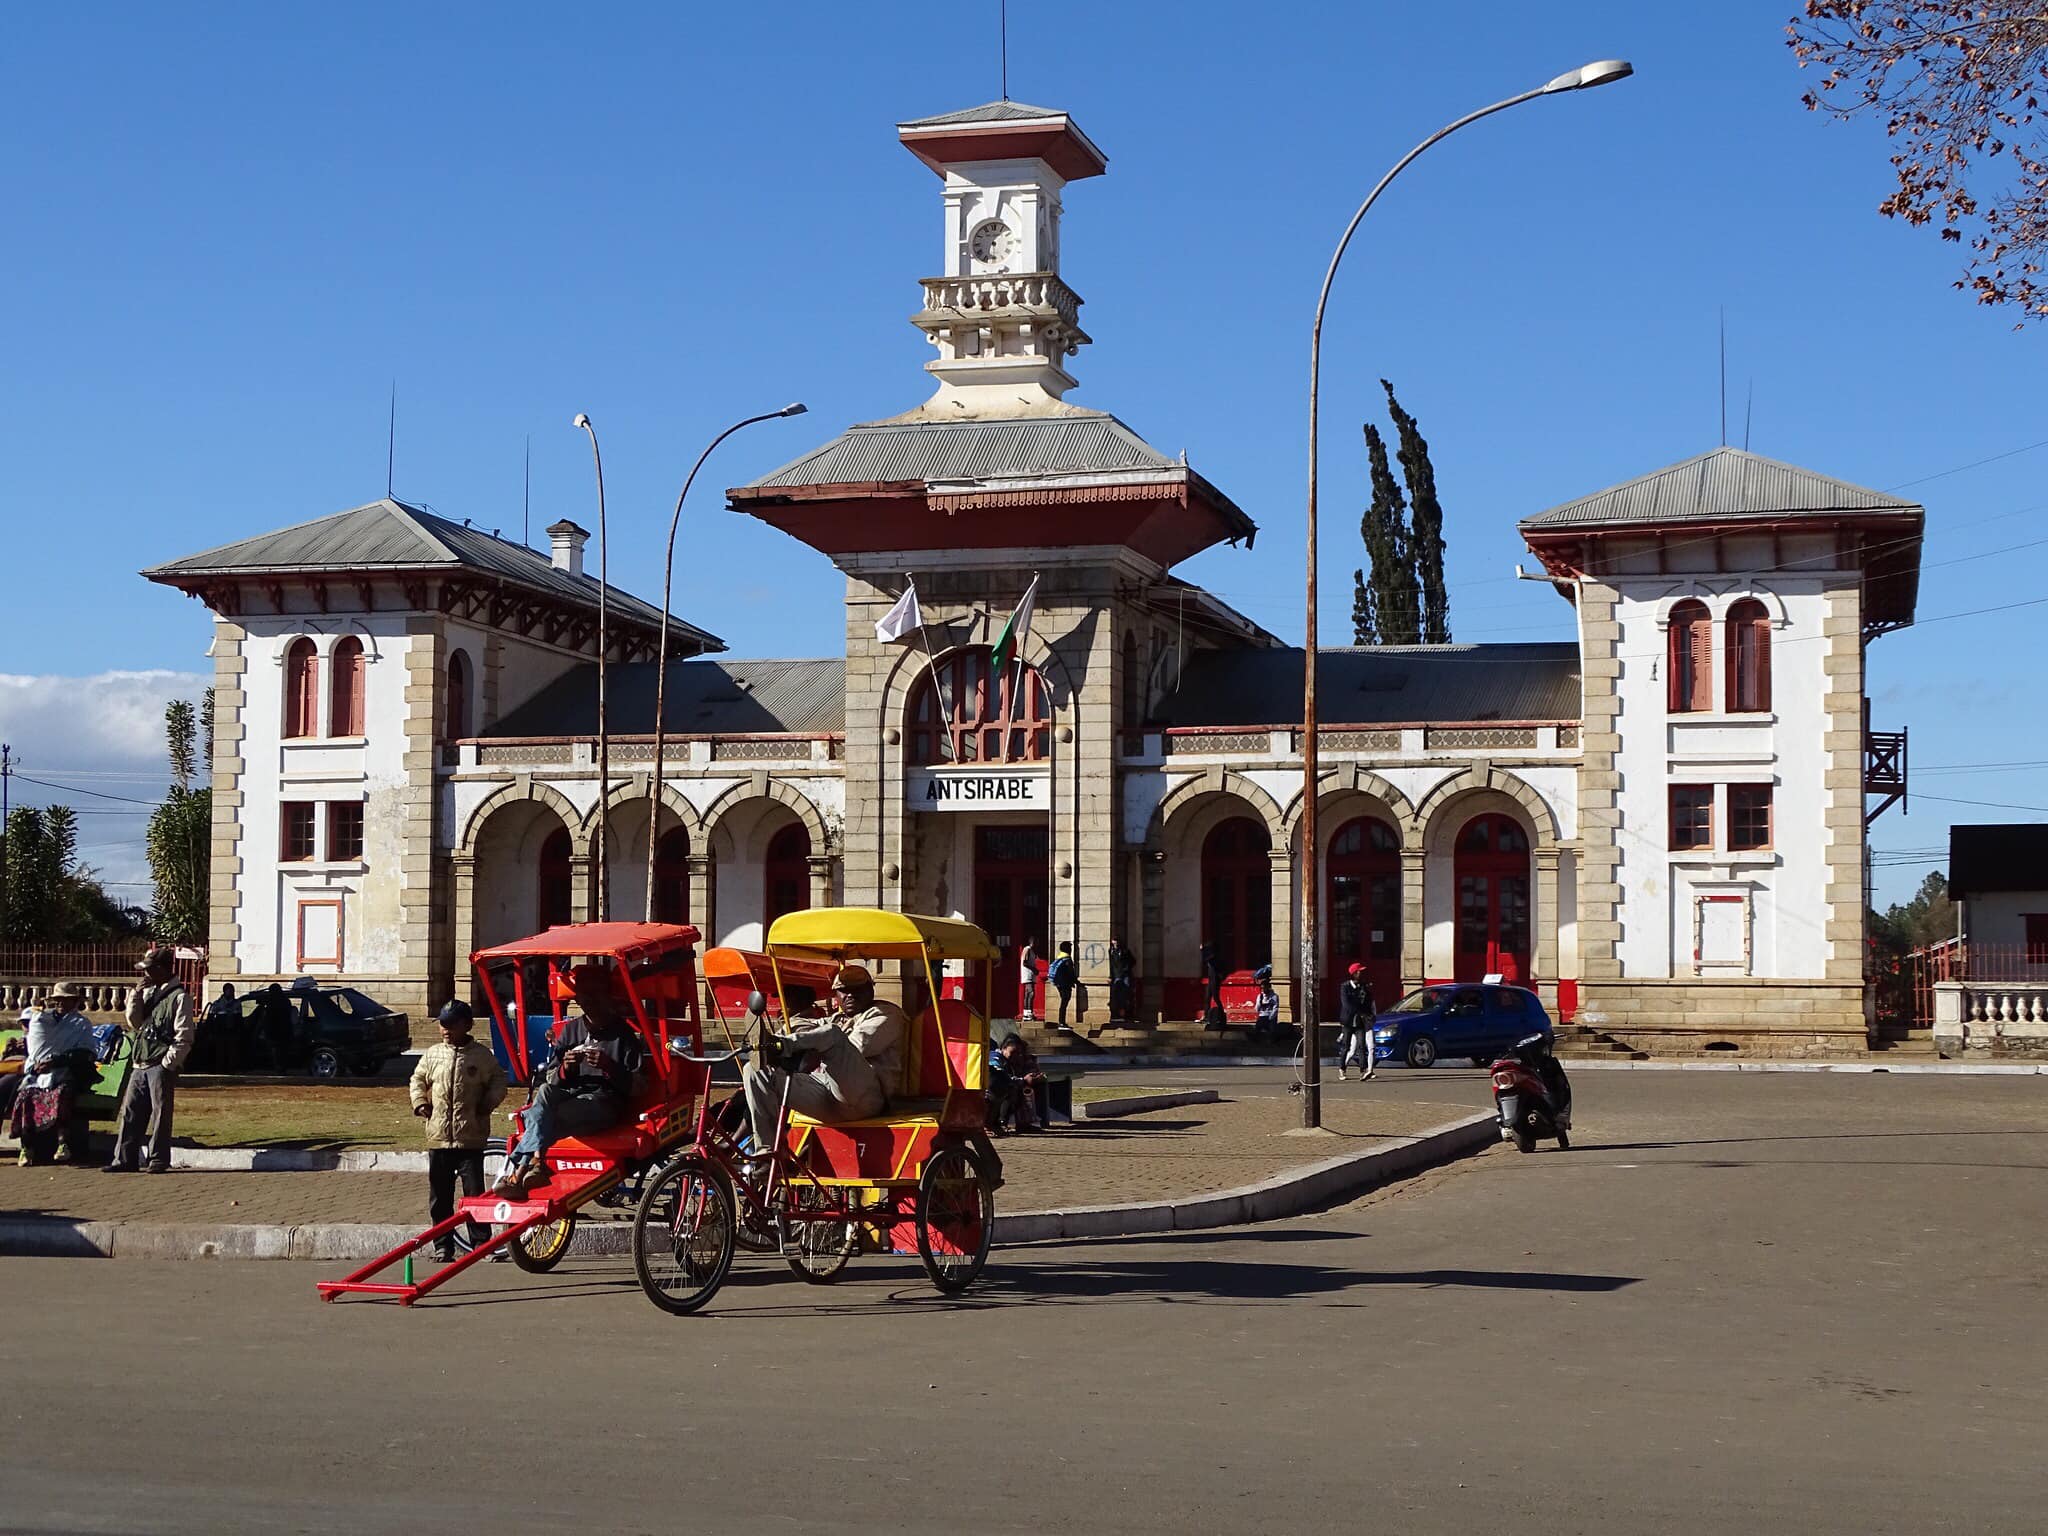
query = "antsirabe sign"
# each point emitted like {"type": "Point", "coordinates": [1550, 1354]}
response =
{"type": "Point", "coordinates": [972, 789]}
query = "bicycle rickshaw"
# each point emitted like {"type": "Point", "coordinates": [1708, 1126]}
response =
{"type": "Point", "coordinates": [654, 981]}
{"type": "Point", "coordinates": [919, 1178]}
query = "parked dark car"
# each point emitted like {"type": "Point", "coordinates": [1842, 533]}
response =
{"type": "Point", "coordinates": [1478, 1020]}
{"type": "Point", "coordinates": [303, 1029]}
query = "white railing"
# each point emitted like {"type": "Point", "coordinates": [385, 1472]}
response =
{"type": "Point", "coordinates": [1977, 1015]}
{"type": "Point", "coordinates": [1003, 290]}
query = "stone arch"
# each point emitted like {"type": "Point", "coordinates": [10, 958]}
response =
{"type": "Point", "coordinates": [1177, 801]}
{"type": "Point", "coordinates": [626, 807]}
{"type": "Point", "coordinates": [521, 789]}
{"type": "Point", "coordinates": [1718, 601]}
{"type": "Point", "coordinates": [1348, 779]}
{"type": "Point", "coordinates": [1478, 778]}
{"type": "Point", "coordinates": [759, 786]}
{"type": "Point", "coordinates": [640, 786]}
{"type": "Point", "coordinates": [912, 664]}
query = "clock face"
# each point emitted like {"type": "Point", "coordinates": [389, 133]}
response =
{"type": "Point", "coordinates": [992, 245]}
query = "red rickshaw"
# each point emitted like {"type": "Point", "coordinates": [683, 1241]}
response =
{"type": "Point", "coordinates": [654, 977]}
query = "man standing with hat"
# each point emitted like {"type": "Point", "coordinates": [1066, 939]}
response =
{"type": "Point", "coordinates": [860, 1060]}
{"type": "Point", "coordinates": [160, 1022]}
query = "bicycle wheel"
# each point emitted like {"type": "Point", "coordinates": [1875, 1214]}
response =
{"type": "Point", "coordinates": [539, 1249]}
{"type": "Point", "coordinates": [956, 1218]}
{"type": "Point", "coordinates": [683, 1235]}
{"type": "Point", "coordinates": [821, 1250]}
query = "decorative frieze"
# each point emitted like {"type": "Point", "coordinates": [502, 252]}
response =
{"type": "Point", "coordinates": [1221, 744]}
{"type": "Point", "coordinates": [787, 749]}
{"type": "Point", "coordinates": [1459, 738]}
{"type": "Point", "coordinates": [526, 753]}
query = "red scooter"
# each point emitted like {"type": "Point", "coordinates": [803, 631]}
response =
{"type": "Point", "coordinates": [1531, 1096]}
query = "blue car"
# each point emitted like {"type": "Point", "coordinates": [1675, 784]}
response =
{"type": "Point", "coordinates": [1479, 1020]}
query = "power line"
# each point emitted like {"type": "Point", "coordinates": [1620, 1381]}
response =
{"type": "Point", "coordinates": [77, 789]}
{"type": "Point", "coordinates": [2010, 453]}
{"type": "Point", "coordinates": [1997, 805]}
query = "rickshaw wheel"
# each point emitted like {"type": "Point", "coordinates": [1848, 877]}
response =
{"type": "Point", "coordinates": [539, 1249]}
{"type": "Point", "coordinates": [823, 1249]}
{"type": "Point", "coordinates": [683, 1235]}
{"type": "Point", "coordinates": [956, 1218]}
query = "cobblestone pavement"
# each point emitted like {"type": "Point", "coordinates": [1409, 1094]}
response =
{"type": "Point", "coordinates": [1167, 1154]}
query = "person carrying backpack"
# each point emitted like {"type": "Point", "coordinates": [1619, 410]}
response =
{"type": "Point", "coordinates": [1063, 975]}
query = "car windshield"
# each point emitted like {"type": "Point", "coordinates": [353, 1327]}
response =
{"type": "Point", "coordinates": [1420, 1001]}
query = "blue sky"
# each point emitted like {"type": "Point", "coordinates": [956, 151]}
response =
{"type": "Point", "coordinates": [233, 226]}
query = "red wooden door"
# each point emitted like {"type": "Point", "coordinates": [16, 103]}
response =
{"type": "Point", "coordinates": [1011, 865]}
{"type": "Point", "coordinates": [1492, 926]}
{"type": "Point", "coordinates": [1363, 900]}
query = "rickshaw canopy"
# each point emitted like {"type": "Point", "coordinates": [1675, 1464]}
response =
{"type": "Point", "coordinates": [627, 942]}
{"type": "Point", "coordinates": [833, 933]}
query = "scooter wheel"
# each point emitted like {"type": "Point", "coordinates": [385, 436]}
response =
{"type": "Point", "coordinates": [1525, 1139]}
{"type": "Point", "coordinates": [1564, 1141]}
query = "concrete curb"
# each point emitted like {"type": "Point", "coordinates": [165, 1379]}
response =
{"type": "Point", "coordinates": [1592, 1064]}
{"type": "Point", "coordinates": [1284, 1195]}
{"type": "Point", "coordinates": [1139, 1103]}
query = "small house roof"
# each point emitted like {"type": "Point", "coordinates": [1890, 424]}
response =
{"type": "Point", "coordinates": [1985, 859]}
{"type": "Point", "coordinates": [1724, 483]}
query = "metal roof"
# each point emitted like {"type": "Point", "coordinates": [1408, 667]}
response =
{"type": "Point", "coordinates": [1725, 483]}
{"type": "Point", "coordinates": [704, 698]}
{"type": "Point", "coordinates": [391, 535]}
{"type": "Point", "coordinates": [987, 112]}
{"type": "Point", "coordinates": [1985, 859]}
{"type": "Point", "coordinates": [1373, 685]}
{"type": "Point", "coordinates": [1071, 443]}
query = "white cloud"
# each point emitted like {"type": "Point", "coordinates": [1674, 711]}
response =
{"type": "Point", "coordinates": [102, 733]}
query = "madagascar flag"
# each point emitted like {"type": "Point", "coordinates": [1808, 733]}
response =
{"type": "Point", "coordinates": [1009, 644]}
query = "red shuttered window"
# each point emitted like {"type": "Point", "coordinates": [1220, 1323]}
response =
{"type": "Point", "coordinates": [1749, 657]}
{"type": "Point", "coordinates": [301, 690]}
{"type": "Point", "coordinates": [345, 693]}
{"type": "Point", "coordinates": [1690, 687]}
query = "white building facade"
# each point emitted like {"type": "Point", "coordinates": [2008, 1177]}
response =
{"type": "Point", "coordinates": [1659, 827]}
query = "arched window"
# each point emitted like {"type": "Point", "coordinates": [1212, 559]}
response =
{"type": "Point", "coordinates": [672, 876]}
{"type": "Point", "coordinates": [301, 690]}
{"type": "Point", "coordinates": [971, 717]}
{"type": "Point", "coordinates": [557, 880]}
{"type": "Point", "coordinates": [1134, 684]}
{"type": "Point", "coordinates": [456, 724]}
{"type": "Point", "coordinates": [1237, 893]}
{"type": "Point", "coordinates": [787, 878]}
{"type": "Point", "coordinates": [1749, 657]}
{"type": "Point", "coordinates": [1363, 907]}
{"type": "Point", "coordinates": [1691, 687]}
{"type": "Point", "coordinates": [345, 688]}
{"type": "Point", "coordinates": [1491, 865]}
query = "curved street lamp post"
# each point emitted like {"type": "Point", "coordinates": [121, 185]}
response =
{"type": "Point", "coordinates": [668, 571]}
{"type": "Point", "coordinates": [1599, 73]}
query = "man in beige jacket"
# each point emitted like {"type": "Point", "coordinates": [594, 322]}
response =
{"type": "Point", "coordinates": [454, 1089]}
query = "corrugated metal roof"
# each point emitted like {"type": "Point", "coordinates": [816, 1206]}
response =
{"type": "Point", "coordinates": [1726, 483]}
{"type": "Point", "coordinates": [1370, 685]}
{"type": "Point", "coordinates": [987, 112]}
{"type": "Point", "coordinates": [1079, 442]}
{"type": "Point", "coordinates": [392, 535]}
{"type": "Point", "coordinates": [704, 698]}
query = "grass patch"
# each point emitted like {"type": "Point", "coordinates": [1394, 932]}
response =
{"type": "Point", "coordinates": [313, 1118]}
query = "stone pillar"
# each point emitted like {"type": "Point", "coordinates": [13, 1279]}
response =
{"type": "Point", "coordinates": [1843, 747]}
{"type": "Point", "coordinates": [1599, 819]}
{"type": "Point", "coordinates": [1412, 926]}
{"type": "Point", "coordinates": [583, 888]}
{"type": "Point", "coordinates": [821, 880]}
{"type": "Point", "coordinates": [1281, 924]}
{"type": "Point", "coordinates": [700, 896]}
{"type": "Point", "coordinates": [462, 895]}
{"type": "Point", "coordinates": [230, 699]}
{"type": "Point", "coordinates": [426, 938]}
{"type": "Point", "coordinates": [1151, 955]}
{"type": "Point", "coordinates": [1543, 922]}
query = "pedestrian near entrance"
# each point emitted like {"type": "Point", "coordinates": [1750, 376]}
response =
{"type": "Point", "coordinates": [159, 1017]}
{"type": "Point", "coordinates": [1027, 982]}
{"type": "Point", "coordinates": [1354, 1025]}
{"type": "Point", "coordinates": [454, 1089]}
{"type": "Point", "coordinates": [1063, 975]}
{"type": "Point", "coordinates": [1212, 988]}
{"type": "Point", "coordinates": [1119, 962]}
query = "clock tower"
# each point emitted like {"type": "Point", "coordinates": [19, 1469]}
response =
{"type": "Point", "coordinates": [1002, 319]}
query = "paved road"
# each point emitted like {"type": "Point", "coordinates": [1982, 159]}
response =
{"type": "Point", "coordinates": [1742, 1303]}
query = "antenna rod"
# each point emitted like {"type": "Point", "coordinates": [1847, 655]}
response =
{"type": "Point", "coordinates": [526, 505]}
{"type": "Point", "coordinates": [1724, 377]}
{"type": "Point", "coordinates": [391, 441]}
{"type": "Point", "coordinates": [1748, 405]}
{"type": "Point", "coordinates": [1003, 23]}
{"type": "Point", "coordinates": [6, 773]}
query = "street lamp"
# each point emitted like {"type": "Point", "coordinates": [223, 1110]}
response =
{"type": "Point", "coordinates": [1600, 72]}
{"type": "Point", "coordinates": [602, 907]}
{"type": "Point", "coordinates": [668, 571]}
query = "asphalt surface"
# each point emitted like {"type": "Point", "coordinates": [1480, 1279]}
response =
{"type": "Point", "coordinates": [1794, 1303]}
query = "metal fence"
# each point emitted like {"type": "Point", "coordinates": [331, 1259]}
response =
{"type": "Point", "coordinates": [1905, 987]}
{"type": "Point", "coordinates": [38, 965]}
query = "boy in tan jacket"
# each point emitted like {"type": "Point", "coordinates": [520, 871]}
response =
{"type": "Point", "coordinates": [454, 1089]}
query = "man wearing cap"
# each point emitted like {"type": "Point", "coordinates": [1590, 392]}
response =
{"type": "Point", "coordinates": [160, 1021]}
{"type": "Point", "coordinates": [859, 1053]}
{"type": "Point", "coordinates": [1354, 1025]}
{"type": "Point", "coordinates": [454, 1089]}
{"type": "Point", "coordinates": [586, 1083]}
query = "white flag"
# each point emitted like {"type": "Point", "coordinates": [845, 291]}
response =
{"type": "Point", "coordinates": [904, 619]}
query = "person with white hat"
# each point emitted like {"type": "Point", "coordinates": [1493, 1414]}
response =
{"type": "Point", "coordinates": [60, 1053]}
{"type": "Point", "coordinates": [859, 1060]}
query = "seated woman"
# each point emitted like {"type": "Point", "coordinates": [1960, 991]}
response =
{"type": "Point", "coordinates": [60, 1066]}
{"type": "Point", "coordinates": [586, 1084]}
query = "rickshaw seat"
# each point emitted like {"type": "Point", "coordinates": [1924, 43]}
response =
{"type": "Point", "coordinates": [901, 1112]}
{"type": "Point", "coordinates": [619, 1144]}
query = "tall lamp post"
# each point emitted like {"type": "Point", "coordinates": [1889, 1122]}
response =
{"type": "Point", "coordinates": [1599, 73]}
{"type": "Point", "coordinates": [601, 908]}
{"type": "Point", "coordinates": [668, 571]}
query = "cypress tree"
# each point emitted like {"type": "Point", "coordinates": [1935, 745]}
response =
{"type": "Point", "coordinates": [1426, 527]}
{"type": "Point", "coordinates": [1363, 630]}
{"type": "Point", "coordinates": [1395, 600]}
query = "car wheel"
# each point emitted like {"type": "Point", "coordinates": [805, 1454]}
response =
{"type": "Point", "coordinates": [324, 1062]}
{"type": "Point", "coordinates": [1421, 1051]}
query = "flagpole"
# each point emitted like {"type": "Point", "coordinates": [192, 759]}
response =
{"type": "Point", "coordinates": [938, 680]}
